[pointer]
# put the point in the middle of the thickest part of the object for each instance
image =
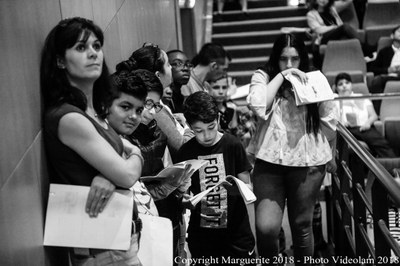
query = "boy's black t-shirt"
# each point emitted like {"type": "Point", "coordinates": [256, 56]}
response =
{"type": "Point", "coordinates": [219, 217]}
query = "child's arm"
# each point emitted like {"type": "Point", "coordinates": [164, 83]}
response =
{"type": "Point", "coordinates": [372, 117]}
{"type": "Point", "coordinates": [234, 122]}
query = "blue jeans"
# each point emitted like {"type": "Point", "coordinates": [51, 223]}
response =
{"type": "Point", "coordinates": [111, 257]}
{"type": "Point", "coordinates": [299, 186]}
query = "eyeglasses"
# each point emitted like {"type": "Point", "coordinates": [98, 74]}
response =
{"type": "Point", "coordinates": [149, 104]}
{"type": "Point", "coordinates": [180, 65]}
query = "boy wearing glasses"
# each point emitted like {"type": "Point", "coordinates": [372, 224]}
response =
{"type": "Point", "coordinates": [181, 68]}
{"type": "Point", "coordinates": [219, 228]}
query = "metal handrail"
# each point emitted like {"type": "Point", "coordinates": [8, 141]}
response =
{"type": "Point", "coordinates": [380, 172]}
{"type": "Point", "coordinates": [371, 96]}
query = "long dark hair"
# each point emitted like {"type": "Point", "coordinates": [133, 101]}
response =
{"type": "Point", "coordinates": [273, 69]}
{"type": "Point", "coordinates": [55, 86]}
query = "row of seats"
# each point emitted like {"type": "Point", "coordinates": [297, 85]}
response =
{"type": "Point", "coordinates": [347, 56]}
{"type": "Point", "coordinates": [379, 19]}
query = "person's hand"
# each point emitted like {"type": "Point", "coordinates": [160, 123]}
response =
{"type": "Point", "coordinates": [331, 166]}
{"type": "Point", "coordinates": [180, 118]}
{"type": "Point", "coordinates": [365, 127]}
{"type": "Point", "coordinates": [186, 203]}
{"type": "Point", "coordinates": [100, 192]}
{"type": "Point", "coordinates": [302, 76]}
{"type": "Point", "coordinates": [251, 127]}
{"type": "Point", "coordinates": [230, 186]}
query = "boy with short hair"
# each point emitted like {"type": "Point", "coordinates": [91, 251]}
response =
{"type": "Point", "coordinates": [359, 117]}
{"type": "Point", "coordinates": [228, 119]}
{"type": "Point", "coordinates": [219, 225]}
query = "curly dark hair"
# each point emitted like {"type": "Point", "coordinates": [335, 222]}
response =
{"type": "Point", "coordinates": [200, 106]}
{"type": "Point", "coordinates": [147, 57]}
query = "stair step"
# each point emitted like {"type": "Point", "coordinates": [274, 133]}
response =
{"type": "Point", "coordinates": [254, 50]}
{"type": "Point", "coordinates": [262, 13]}
{"type": "Point", "coordinates": [254, 37]}
{"type": "Point", "coordinates": [265, 3]}
{"type": "Point", "coordinates": [241, 77]}
{"type": "Point", "coordinates": [247, 63]}
{"type": "Point", "coordinates": [249, 50]}
{"type": "Point", "coordinates": [249, 38]}
{"type": "Point", "coordinates": [259, 24]}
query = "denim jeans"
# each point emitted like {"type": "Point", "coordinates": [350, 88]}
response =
{"type": "Point", "coordinates": [298, 187]}
{"type": "Point", "coordinates": [111, 257]}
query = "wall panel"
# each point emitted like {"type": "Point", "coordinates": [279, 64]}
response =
{"type": "Point", "coordinates": [76, 8]}
{"type": "Point", "coordinates": [21, 210]}
{"type": "Point", "coordinates": [104, 11]}
{"type": "Point", "coordinates": [22, 37]}
{"type": "Point", "coordinates": [112, 46]}
{"type": "Point", "coordinates": [24, 24]}
{"type": "Point", "coordinates": [147, 21]}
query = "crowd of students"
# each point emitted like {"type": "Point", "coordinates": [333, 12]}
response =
{"type": "Point", "coordinates": [159, 108]}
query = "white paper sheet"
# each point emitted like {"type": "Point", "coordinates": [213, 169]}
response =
{"type": "Point", "coordinates": [247, 195]}
{"type": "Point", "coordinates": [317, 89]}
{"type": "Point", "coordinates": [155, 241]}
{"type": "Point", "coordinates": [68, 225]}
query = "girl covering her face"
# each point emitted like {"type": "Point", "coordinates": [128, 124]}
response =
{"type": "Point", "coordinates": [291, 147]}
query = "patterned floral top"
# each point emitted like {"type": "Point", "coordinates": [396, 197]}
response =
{"type": "Point", "coordinates": [281, 136]}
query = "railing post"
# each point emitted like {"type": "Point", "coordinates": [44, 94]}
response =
{"type": "Point", "coordinates": [359, 172]}
{"type": "Point", "coordinates": [343, 219]}
{"type": "Point", "coordinates": [380, 210]}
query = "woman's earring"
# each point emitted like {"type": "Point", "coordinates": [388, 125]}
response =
{"type": "Point", "coordinates": [60, 64]}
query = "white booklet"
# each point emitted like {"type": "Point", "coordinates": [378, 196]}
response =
{"type": "Point", "coordinates": [317, 89]}
{"type": "Point", "coordinates": [68, 225]}
{"type": "Point", "coordinates": [176, 170]}
{"type": "Point", "coordinates": [247, 195]}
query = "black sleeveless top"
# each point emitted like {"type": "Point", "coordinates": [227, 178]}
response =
{"type": "Point", "coordinates": [69, 167]}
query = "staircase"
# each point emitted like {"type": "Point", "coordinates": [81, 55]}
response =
{"type": "Point", "coordinates": [249, 39]}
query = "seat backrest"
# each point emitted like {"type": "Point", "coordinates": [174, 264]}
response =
{"type": "Point", "coordinates": [383, 42]}
{"type": "Point", "coordinates": [344, 56]}
{"type": "Point", "coordinates": [360, 87]}
{"type": "Point", "coordinates": [381, 12]}
{"type": "Point", "coordinates": [349, 16]}
{"type": "Point", "coordinates": [390, 107]}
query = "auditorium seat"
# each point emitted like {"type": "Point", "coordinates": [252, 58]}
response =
{"type": "Point", "coordinates": [349, 16]}
{"type": "Point", "coordinates": [379, 19]}
{"type": "Point", "coordinates": [345, 56]}
{"type": "Point", "coordinates": [383, 42]}
{"type": "Point", "coordinates": [360, 87]}
{"type": "Point", "coordinates": [389, 122]}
